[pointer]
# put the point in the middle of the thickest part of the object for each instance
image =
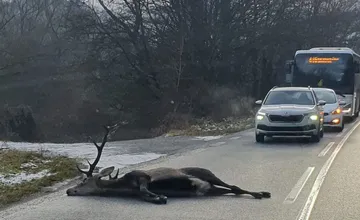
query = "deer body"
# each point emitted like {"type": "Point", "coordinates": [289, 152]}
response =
{"type": "Point", "coordinates": [154, 185]}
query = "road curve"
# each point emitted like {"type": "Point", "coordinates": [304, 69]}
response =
{"type": "Point", "coordinates": [286, 169]}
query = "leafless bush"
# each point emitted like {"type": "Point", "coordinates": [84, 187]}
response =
{"type": "Point", "coordinates": [173, 120]}
{"type": "Point", "coordinates": [19, 123]}
{"type": "Point", "coordinates": [223, 102]}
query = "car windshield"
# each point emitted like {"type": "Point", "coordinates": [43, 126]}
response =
{"type": "Point", "coordinates": [289, 98]}
{"type": "Point", "coordinates": [326, 95]}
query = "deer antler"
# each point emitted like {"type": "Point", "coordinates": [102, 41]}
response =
{"type": "Point", "coordinates": [99, 149]}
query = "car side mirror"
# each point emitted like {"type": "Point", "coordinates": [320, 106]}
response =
{"type": "Point", "coordinates": [258, 102]}
{"type": "Point", "coordinates": [321, 102]}
{"type": "Point", "coordinates": [342, 102]}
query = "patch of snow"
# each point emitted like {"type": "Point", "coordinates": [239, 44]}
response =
{"type": "Point", "coordinates": [123, 160]}
{"type": "Point", "coordinates": [21, 177]}
{"type": "Point", "coordinates": [208, 138]}
{"type": "Point", "coordinates": [111, 156]}
{"type": "Point", "coordinates": [168, 135]}
{"type": "Point", "coordinates": [28, 165]}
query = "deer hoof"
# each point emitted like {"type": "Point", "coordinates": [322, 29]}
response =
{"type": "Point", "coordinates": [258, 195]}
{"type": "Point", "coordinates": [160, 200]}
{"type": "Point", "coordinates": [163, 199]}
{"type": "Point", "coordinates": [266, 194]}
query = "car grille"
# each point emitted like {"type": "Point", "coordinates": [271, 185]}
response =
{"type": "Point", "coordinates": [296, 128]}
{"type": "Point", "coordinates": [288, 118]}
{"type": "Point", "coordinates": [325, 113]}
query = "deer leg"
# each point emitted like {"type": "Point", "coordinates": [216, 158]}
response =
{"type": "Point", "coordinates": [149, 196]}
{"type": "Point", "coordinates": [238, 191]}
{"type": "Point", "coordinates": [257, 195]}
{"type": "Point", "coordinates": [208, 176]}
{"type": "Point", "coordinates": [217, 191]}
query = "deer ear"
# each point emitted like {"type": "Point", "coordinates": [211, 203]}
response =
{"type": "Point", "coordinates": [106, 171]}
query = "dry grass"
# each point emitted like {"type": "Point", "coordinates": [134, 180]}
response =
{"type": "Point", "coordinates": [230, 112]}
{"type": "Point", "coordinates": [12, 163]}
{"type": "Point", "coordinates": [209, 127]}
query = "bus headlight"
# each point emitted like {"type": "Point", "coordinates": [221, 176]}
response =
{"type": "Point", "coordinates": [346, 110]}
{"type": "Point", "coordinates": [314, 117]}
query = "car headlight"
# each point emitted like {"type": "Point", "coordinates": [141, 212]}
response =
{"type": "Point", "coordinates": [260, 116]}
{"type": "Point", "coordinates": [336, 111]}
{"type": "Point", "coordinates": [314, 117]}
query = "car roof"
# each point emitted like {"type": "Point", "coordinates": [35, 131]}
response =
{"type": "Point", "coordinates": [291, 89]}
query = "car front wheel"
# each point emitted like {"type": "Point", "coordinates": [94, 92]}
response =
{"type": "Point", "coordinates": [322, 132]}
{"type": "Point", "coordinates": [260, 138]}
{"type": "Point", "coordinates": [316, 137]}
{"type": "Point", "coordinates": [340, 129]}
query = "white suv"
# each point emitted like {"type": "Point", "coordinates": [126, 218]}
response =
{"type": "Point", "coordinates": [290, 111]}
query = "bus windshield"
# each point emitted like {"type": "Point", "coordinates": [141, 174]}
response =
{"type": "Point", "coordinates": [329, 70]}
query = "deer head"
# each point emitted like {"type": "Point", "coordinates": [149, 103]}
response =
{"type": "Point", "coordinates": [93, 184]}
{"type": "Point", "coordinates": [90, 186]}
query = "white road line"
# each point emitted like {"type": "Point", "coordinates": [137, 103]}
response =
{"type": "Point", "coordinates": [326, 149]}
{"type": "Point", "coordinates": [294, 193]}
{"type": "Point", "coordinates": [342, 133]}
{"type": "Point", "coordinates": [234, 138]}
{"type": "Point", "coordinates": [309, 205]}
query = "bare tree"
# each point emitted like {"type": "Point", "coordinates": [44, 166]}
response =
{"type": "Point", "coordinates": [143, 60]}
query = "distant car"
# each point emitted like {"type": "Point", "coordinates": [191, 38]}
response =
{"type": "Point", "coordinates": [333, 115]}
{"type": "Point", "coordinates": [290, 111]}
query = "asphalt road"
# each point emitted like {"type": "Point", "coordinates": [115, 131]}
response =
{"type": "Point", "coordinates": [339, 197]}
{"type": "Point", "coordinates": [290, 170]}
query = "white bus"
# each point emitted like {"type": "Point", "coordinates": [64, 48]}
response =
{"type": "Point", "coordinates": [330, 67]}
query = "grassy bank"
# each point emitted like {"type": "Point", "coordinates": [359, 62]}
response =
{"type": "Point", "coordinates": [23, 173]}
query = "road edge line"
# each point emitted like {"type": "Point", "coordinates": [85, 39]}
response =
{"type": "Point", "coordinates": [307, 208]}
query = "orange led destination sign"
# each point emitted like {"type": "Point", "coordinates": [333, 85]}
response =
{"type": "Point", "coordinates": [323, 59]}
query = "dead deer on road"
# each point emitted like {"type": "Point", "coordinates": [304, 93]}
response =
{"type": "Point", "coordinates": [154, 185]}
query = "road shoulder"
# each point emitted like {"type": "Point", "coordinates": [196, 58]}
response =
{"type": "Point", "coordinates": [338, 197]}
